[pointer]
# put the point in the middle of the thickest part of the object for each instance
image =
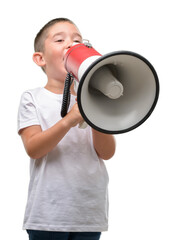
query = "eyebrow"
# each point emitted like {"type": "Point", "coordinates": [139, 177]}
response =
{"type": "Point", "coordinates": [73, 35]}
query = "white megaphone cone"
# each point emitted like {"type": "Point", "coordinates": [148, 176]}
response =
{"type": "Point", "coordinates": [116, 92]}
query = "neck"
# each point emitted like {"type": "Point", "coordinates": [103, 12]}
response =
{"type": "Point", "coordinates": [57, 87]}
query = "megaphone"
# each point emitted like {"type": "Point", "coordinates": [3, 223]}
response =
{"type": "Point", "coordinates": [116, 92]}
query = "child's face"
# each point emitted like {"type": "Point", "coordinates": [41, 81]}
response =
{"type": "Point", "coordinates": [60, 38]}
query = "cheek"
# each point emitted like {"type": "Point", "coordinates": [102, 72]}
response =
{"type": "Point", "coordinates": [54, 52]}
{"type": "Point", "coordinates": [55, 59]}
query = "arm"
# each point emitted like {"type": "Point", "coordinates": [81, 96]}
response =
{"type": "Point", "coordinates": [38, 143]}
{"type": "Point", "coordinates": [104, 144]}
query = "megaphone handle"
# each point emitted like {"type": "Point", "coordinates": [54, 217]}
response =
{"type": "Point", "coordinates": [83, 125]}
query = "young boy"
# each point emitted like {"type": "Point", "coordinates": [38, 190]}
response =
{"type": "Point", "coordinates": [67, 197]}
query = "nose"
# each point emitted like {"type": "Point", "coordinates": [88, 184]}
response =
{"type": "Point", "coordinates": [69, 44]}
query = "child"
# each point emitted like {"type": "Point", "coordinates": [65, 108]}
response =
{"type": "Point", "coordinates": [67, 197]}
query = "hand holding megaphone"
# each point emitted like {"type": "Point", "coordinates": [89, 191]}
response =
{"type": "Point", "coordinates": [76, 117]}
{"type": "Point", "coordinates": [82, 124]}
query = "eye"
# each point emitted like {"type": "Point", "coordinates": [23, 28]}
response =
{"type": "Point", "coordinates": [77, 41]}
{"type": "Point", "coordinates": [59, 40]}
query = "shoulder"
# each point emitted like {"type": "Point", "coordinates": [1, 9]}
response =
{"type": "Point", "coordinates": [30, 94]}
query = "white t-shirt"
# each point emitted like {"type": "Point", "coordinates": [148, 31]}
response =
{"type": "Point", "coordinates": [68, 186]}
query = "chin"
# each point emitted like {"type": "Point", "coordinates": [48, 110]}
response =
{"type": "Point", "coordinates": [63, 76]}
{"type": "Point", "coordinates": [64, 72]}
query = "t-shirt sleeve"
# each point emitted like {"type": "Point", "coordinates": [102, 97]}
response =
{"type": "Point", "coordinates": [27, 112]}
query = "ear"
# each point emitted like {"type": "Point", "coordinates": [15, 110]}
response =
{"type": "Point", "coordinates": [38, 58]}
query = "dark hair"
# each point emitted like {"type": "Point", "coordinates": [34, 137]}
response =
{"type": "Point", "coordinates": [42, 34]}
